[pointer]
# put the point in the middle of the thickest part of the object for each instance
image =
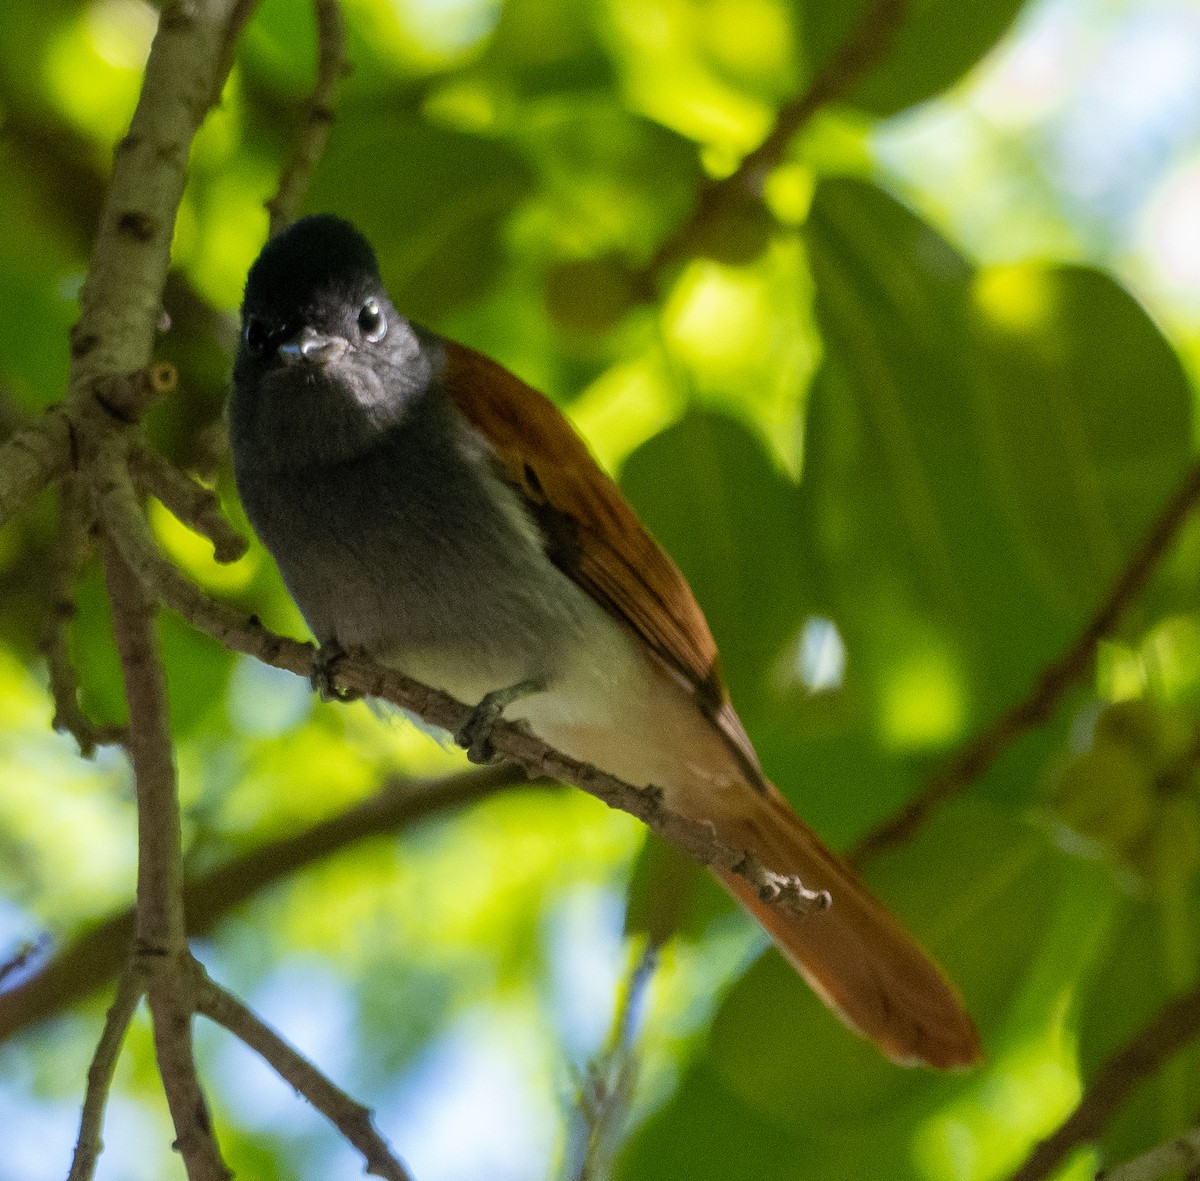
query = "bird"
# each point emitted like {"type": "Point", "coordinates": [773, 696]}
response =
{"type": "Point", "coordinates": [428, 508]}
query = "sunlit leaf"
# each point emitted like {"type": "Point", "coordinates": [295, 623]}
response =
{"type": "Point", "coordinates": [936, 42]}
{"type": "Point", "coordinates": [1086, 421]}
{"type": "Point", "coordinates": [448, 195]}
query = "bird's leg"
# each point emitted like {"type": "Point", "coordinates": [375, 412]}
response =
{"type": "Point", "coordinates": [475, 733]}
{"type": "Point", "coordinates": [321, 675]}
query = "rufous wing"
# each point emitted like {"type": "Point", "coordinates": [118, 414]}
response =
{"type": "Point", "coordinates": [856, 955]}
{"type": "Point", "coordinates": [592, 534]}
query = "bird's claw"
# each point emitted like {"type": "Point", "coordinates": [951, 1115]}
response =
{"type": "Point", "coordinates": [475, 733]}
{"type": "Point", "coordinates": [322, 674]}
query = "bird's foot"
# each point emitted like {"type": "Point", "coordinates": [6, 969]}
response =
{"type": "Point", "coordinates": [476, 731]}
{"type": "Point", "coordinates": [324, 668]}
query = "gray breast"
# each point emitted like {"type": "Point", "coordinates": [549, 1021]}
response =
{"type": "Point", "coordinates": [413, 546]}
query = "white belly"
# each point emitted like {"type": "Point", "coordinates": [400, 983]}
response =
{"type": "Point", "coordinates": [609, 704]}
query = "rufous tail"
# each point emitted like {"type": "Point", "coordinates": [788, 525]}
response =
{"type": "Point", "coordinates": [854, 954]}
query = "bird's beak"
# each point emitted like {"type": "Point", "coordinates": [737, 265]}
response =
{"type": "Point", "coordinates": [309, 347]}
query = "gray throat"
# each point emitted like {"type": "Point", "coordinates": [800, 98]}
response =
{"type": "Point", "coordinates": [412, 545]}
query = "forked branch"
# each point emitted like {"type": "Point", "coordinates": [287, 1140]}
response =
{"type": "Point", "coordinates": [354, 1121]}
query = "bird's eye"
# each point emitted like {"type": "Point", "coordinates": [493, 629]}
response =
{"type": "Point", "coordinates": [371, 322]}
{"type": "Point", "coordinates": [257, 337]}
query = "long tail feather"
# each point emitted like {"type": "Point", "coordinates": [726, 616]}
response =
{"type": "Point", "coordinates": [855, 954]}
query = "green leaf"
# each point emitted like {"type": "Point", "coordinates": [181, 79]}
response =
{"type": "Point", "coordinates": [971, 496]}
{"type": "Point", "coordinates": [942, 623]}
{"type": "Point", "coordinates": [1086, 415]}
{"type": "Point", "coordinates": [435, 207]}
{"type": "Point", "coordinates": [707, 1134]}
{"type": "Point", "coordinates": [197, 671]}
{"type": "Point", "coordinates": [668, 894]}
{"type": "Point", "coordinates": [543, 47]}
{"type": "Point", "coordinates": [279, 48]}
{"type": "Point", "coordinates": [729, 519]}
{"type": "Point", "coordinates": [937, 42]}
{"type": "Point", "coordinates": [611, 182]}
{"type": "Point", "coordinates": [37, 294]}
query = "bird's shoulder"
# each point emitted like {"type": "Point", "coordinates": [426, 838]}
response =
{"type": "Point", "coordinates": [590, 530]}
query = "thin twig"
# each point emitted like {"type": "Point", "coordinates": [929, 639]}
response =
{"type": "Point", "coordinates": [197, 506]}
{"type": "Point", "coordinates": [354, 1121]}
{"type": "Point", "coordinates": [88, 1145]}
{"type": "Point", "coordinates": [98, 955]}
{"type": "Point", "coordinates": [239, 13]}
{"type": "Point", "coordinates": [160, 928]}
{"type": "Point", "coordinates": [313, 133]}
{"type": "Point", "coordinates": [172, 1003]}
{"type": "Point", "coordinates": [121, 299]}
{"type": "Point", "coordinates": [70, 552]}
{"type": "Point", "coordinates": [862, 50]}
{"type": "Point", "coordinates": [607, 1090]}
{"type": "Point", "coordinates": [32, 459]}
{"type": "Point", "coordinates": [119, 508]}
{"type": "Point", "coordinates": [977, 757]}
{"type": "Point", "coordinates": [20, 958]}
{"type": "Point", "coordinates": [1176, 1024]}
{"type": "Point", "coordinates": [161, 941]}
{"type": "Point", "coordinates": [1176, 1156]}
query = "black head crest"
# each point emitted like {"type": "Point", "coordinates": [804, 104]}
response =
{"type": "Point", "coordinates": [320, 253]}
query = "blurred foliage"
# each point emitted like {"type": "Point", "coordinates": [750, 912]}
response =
{"type": "Point", "coordinates": [899, 480]}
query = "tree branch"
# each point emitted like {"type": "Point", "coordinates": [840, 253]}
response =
{"type": "Point", "coordinates": [111, 382]}
{"type": "Point", "coordinates": [70, 552]}
{"type": "Point", "coordinates": [313, 133]}
{"type": "Point", "coordinates": [160, 929]}
{"type": "Point", "coordinates": [121, 297]}
{"type": "Point", "coordinates": [352, 1119]}
{"type": "Point", "coordinates": [865, 47]}
{"type": "Point", "coordinates": [1176, 1024]}
{"type": "Point", "coordinates": [510, 740]}
{"type": "Point", "coordinates": [198, 507]}
{"type": "Point", "coordinates": [977, 757]}
{"type": "Point", "coordinates": [98, 955]}
{"type": "Point", "coordinates": [116, 505]}
{"type": "Point", "coordinates": [88, 1146]}
{"type": "Point", "coordinates": [1179, 1155]}
{"type": "Point", "coordinates": [240, 11]}
{"type": "Point", "coordinates": [161, 942]}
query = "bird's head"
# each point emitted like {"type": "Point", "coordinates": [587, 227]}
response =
{"type": "Point", "coordinates": [323, 350]}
